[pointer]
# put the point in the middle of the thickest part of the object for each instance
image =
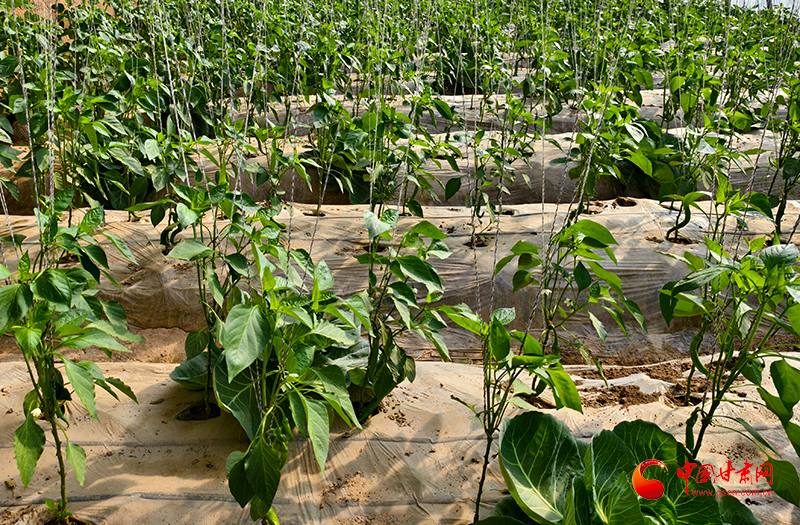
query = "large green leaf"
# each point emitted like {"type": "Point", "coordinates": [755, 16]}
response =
{"type": "Point", "coordinates": [246, 333]}
{"type": "Point", "coordinates": [262, 467]}
{"type": "Point", "coordinates": [538, 459]}
{"type": "Point", "coordinates": [77, 458]}
{"type": "Point", "coordinates": [15, 300]}
{"type": "Point", "coordinates": [733, 512]}
{"type": "Point", "coordinates": [81, 381]}
{"type": "Point", "coordinates": [645, 441]}
{"type": "Point", "coordinates": [335, 382]}
{"type": "Point", "coordinates": [28, 447]}
{"type": "Point", "coordinates": [189, 250]}
{"type": "Point", "coordinates": [595, 231]}
{"type": "Point", "coordinates": [780, 255]}
{"type": "Point", "coordinates": [318, 428]}
{"type": "Point", "coordinates": [237, 478]}
{"type": "Point", "coordinates": [609, 465]}
{"type": "Point", "coordinates": [697, 279]}
{"type": "Point", "coordinates": [96, 338]}
{"type": "Point", "coordinates": [785, 483]}
{"type": "Point", "coordinates": [239, 396]}
{"type": "Point", "coordinates": [375, 227]}
{"type": "Point", "coordinates": [499, 340]}
{"type": "Point", "coordinates": [421, 272]}
{"type": "Point", "coordinates": [577, 506]}
{"type": "Point", "coordinates": [787, 382]}
{"type": "Point", "coordinates": [566, 393]}
{"type": "Point", "coordinates": [195, 344]}
{"type": "Point", "coordinates": [192, 373]}
{"type": "Point", "coordinates": [53, 286]}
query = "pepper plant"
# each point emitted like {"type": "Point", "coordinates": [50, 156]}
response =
{"type": "Point", "coordinates": [49, 306]}
{"type": "Point", "coordinates": [394, 303]}
{"type": "Point", "coordinates": [742, 303]}
{"type": "Point", "coordinates": [286, 363]}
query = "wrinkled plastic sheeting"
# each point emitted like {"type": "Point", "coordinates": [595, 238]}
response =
{"type": "Point", "coordinates": [159, 292]}
{"type": "Point", "coordinates": [417, 461]}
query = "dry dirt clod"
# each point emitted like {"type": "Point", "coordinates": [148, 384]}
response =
{"type": "Point", "coordinates": [10, 484]}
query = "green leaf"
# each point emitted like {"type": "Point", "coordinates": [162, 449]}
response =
{"type": "Point", "coordinates": [77, 458]}
{"type": "Point", "coordinates": [237, 478]}
{"type": "Point", "coordinates": [192, 373]}
{"type": "Point", "coordinates": [576, 505]}
{"type": "Point", "coordinates": [81, 381]}
{"type": "Point", "coordinates": [426, 229]}
{"type": "Point", "coordinates": [734, 512]}
{"type": "Point", "coordinates": [120, 245]}
{"type": "Point", "coordinates": [609, 465]}
{"type": "Point", "coordinates": [216, 288]}
{"type": "Point", "coordinates": [780, 255]}
{"type": "Point", "coordinates": [189, 250]}
{"type": "Point", "coordinates": [238, 395]}
{"type": "Point", "coordinates": [375, 227]}
{"type": "Point", "coordinates": [598, 327]}
{"type": "Point", "coordinates": [538, 459]}
{"type": "Point", "coordinates": [642, 162]}
{"type": "Point", "coordinates": [785, 482]}
{"type": "Point", "coordinates": [775, 405]}
{"type": "Point", "coordinates": [582, 277]}
{"type": "Point", "coordinates": [151, 149]}
{"type": "Point", "coordinates": [609, 278]}
{"type": "Point", "coordinates": [122, 387]}
{"type": "Point", "coordinates": [28, 447]}
{"type": "Point", "coordinates": [334, 381]}
{"type": "Point", "coordinates": [318, 428]}
{"type": "Point", "coordinates": [595, 231]}
{"type": "Point", "coordinates": [699, 278]}
{"type": "Point", "coordinates": [186, 216]}
{"type": "Point", "coordinates": [332, 332]}
{"type": "Point", "coordinates": [452, 186]}
{"type": "Point", "coordinates": [28, 339]}
{"type": "Point", "coordinates": [421, 272]}
{"type": "Point", "coordinates": [508, 508]}
{"type": "Point", "coordinates": [53, 286]}
{"type": "Point", "coordinates": [93, 218]}
{"type": "Point", "coordinates": [15, 300]}
{"type": "Point", "coordinates": [63, 200]}
{"type": "Point", "coordinates": [637, 314]}
{"type": "Point", "coordinates": [244, 336]}
{"type": "Point", "coordinates": [499, 340]}
{"type": "Point", "coordinates": [96, 338]}
{"type": "Point", "coordinates": [787, 382]}
{"type": "Point", "coordinates": [676, 82]}
{"type": "Point", "coordinates": [262, 468]}
{"type": "Point", "coordinates": [196, 343]}
{"type": "Point", "coordinates": [566, 393]}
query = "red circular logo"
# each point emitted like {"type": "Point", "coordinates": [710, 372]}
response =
{"type": "Point", "coordinates": [651, 489]}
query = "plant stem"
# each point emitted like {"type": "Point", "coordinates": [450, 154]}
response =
{"type": "Point", "coordinates": [489, 440]}
{"type": "Point", "coordinates": [62, 471]}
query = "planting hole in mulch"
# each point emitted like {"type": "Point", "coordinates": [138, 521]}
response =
{"type": "Point", "coordinates": [72, 520]}
{"type": "Point", "coordinates": [624, 201]}
{"type": "Point", "coordinates": [479, 242]}
{"type": "Point", "coordinates": [681, 240]}
{"type": "Point", "coordinates": [197, 412]}
{"type": "Point", "coordinates": [626, 395]}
